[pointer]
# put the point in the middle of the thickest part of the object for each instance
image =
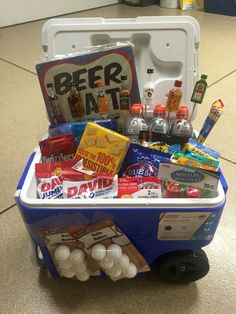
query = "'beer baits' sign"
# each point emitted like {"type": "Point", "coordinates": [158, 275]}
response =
{"type": "Point", "coordinates": [85, 70]}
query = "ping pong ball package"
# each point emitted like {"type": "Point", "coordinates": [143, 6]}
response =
{"type": "Point", "coordinates": [82, 251]}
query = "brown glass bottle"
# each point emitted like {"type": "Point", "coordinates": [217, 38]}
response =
{"type": "Point", "coordinates": [102, 99]}
{"type": "Point", "coordinates": [54, 106]}
{"type": "Point", "coordinates": [75, 102]}
{"type": "Point", "coordinates": [124, 94]}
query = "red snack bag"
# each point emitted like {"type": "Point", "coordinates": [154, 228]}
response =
{"type": "Point", "coordinates": [91, 185]}
{"type": "Point", "coordinates": [58, 148]}
{"type": "Point", "coordinates": [50, 178]}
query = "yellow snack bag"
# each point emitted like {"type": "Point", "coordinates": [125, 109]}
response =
{"type": "Point", "coordinates": [187, 5]}
{"type": "Point", "coordinates": [101, 149]}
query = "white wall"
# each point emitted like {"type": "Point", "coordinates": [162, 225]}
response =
{"type": "Point", "coordinates": [19, 11]}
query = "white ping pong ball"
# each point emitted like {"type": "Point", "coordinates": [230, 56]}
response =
{"type": "Point", "coordinates": [107, 263]}
{"type": "Point", "coordinates": [123, 261]}
{"type": "Point", "coordinates": [68, 273]}
{"type": "Point", "coordinates": [114, 251]}
{"type": "Point", "coordinates": [65, 264]}
{"type": "Point", "coordinates": [62, 253]}
{"type": "Point", "coordinates": [81, 267]}
{"type": "Point", "coordinates": [130, 271]}
{"type": "Point", "coordinates": [98, 252]}
{"type": "Point", "coordinates": [84, 276]}
{"type": "Point", "coordinates": [76, 256]}
{"type": "Point", "coordinates": [114, 272]}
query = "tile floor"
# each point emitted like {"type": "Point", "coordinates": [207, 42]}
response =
{"type": "Point", "coordinates": [27, 289]}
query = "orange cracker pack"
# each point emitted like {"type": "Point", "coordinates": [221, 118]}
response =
{"type": "Point", "coordinates": [102, 150]}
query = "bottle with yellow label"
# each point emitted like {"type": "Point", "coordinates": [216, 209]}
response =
{"type": "Point", "coordinates": [102, 99]}
{"type": "Point", "coordinates": [174, 98]}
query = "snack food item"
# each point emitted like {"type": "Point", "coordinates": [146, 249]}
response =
{"type": "Point", "coordinates": [142, 162]}
{"type": "Point", "coordinates": [213, 116]}
{"type": "Point", "coordinates": [173, 190]}
{"type": "Point", "coordinates": [193, 192]}
{"type": "Point", "coordinates": [142, 187]}
{"type": "Point", "coordinates": [58, 148]}
{"type": "Point", "coordinates": [165, 148]}
{"type": "Point", "coordinates": [189, 176]}
{"type": "Point", "coordinates": [195, 160]}
{"type": "Point", "coordinates": [49, 180]}
{"type": "Point", "coordinates": [102, 150]}
{"type": "Point", "coordinates": [77, 128]}
{"type": "Point", "coordinates": [194, 146]}
{"type": "Point", "coordinates": [94, 186]}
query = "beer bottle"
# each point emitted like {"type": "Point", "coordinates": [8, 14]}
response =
{"type": "Point", "coordinates": [124, 94]}
{"type": "Point", "coordinates": [55, 109]}
{"type": "Point", "coordinates": [75, 103]}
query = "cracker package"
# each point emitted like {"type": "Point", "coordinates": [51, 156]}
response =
{"type": "Point", "coordinates": [102, 150]}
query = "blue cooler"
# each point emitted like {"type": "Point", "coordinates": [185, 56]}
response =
{"type": "Point", "coordinates": [167, 233]}
{"type": "Point", "coordinates": [226, 7]}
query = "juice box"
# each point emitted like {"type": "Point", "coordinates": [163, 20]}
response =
{"type": "Point", "coordinates": [101, 149]}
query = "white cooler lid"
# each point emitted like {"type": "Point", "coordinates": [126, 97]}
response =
{"type": "Point", "coordinates": [168, 44]}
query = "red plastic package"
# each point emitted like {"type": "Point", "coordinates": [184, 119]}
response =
{"type": "Point", "coordinates": [58, 148]}
{"type": "Point", "coordinates": [67, 179]}
{"type": "Point", "coordinates": [139, 187]}
{"type": "Point", "coordinates": [50, 178]}
{"type": "Point", "coordinates": [93, 185]}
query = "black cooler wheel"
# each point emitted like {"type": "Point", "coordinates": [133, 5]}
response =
{"type": "Point", "coordinates": [183, 266]}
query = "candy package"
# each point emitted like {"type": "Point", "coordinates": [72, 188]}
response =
{"type": "Point", "coordinates": [77, 128]}
{"type": "Point", "coordinates": [58, 148]}
{"type": "Point", "coordinates": [195, 160]}
{"type": "Point", "coordinates": [142, 162]}
{"type": "Point", "coordinates": [193, 146]}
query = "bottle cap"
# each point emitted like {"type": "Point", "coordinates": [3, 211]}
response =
{"type": "Point", "coordinates": [178, 83]}
{"type": "Point", "coordinates": [203, 77]}
{"type": "Point", "coordinates": [160, 108]}
{"type": "Point", "coordinates": [137, 108]}
{"type": "Point", "coordinates": [99, 83]}
{"type": "Point", "coordinates": [123, 77]}
{"type": "Point", "coordinates": [182, 112]}
{"type": "Point", "coordinates": [149, 71]}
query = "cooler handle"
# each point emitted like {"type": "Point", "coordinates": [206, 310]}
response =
{"type": "Point", "coordinates": [223, 182]}
{"type": "Point", "coordinates": [23, 176]}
